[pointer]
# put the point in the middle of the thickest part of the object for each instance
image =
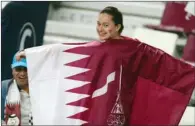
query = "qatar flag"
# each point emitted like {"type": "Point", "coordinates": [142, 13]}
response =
{"type": "Point", "coordinates": [115, 83]}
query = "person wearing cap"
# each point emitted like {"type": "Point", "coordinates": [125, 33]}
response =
{"type": "Point", "coordinates": [15, 92]}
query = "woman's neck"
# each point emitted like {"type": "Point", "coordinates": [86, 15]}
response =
{"type": "Point", "coordinates": [117, 37]}
{"type": "Point", "coordinates": [113, 38]}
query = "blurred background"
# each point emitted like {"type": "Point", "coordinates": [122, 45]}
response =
{"type": "Point", "coordinates": [169, 26]}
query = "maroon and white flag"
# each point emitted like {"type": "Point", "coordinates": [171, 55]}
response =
{"type": "Point", "coordinates": [178, 16]}
{"type": "Point", "coordinates": [115, 83]}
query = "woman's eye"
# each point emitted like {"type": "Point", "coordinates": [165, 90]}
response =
{"type": "Point", "coordinates": [105, 25]}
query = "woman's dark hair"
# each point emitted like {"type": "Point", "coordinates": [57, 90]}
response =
{"type": "Point", "coordinates": [116, 14]}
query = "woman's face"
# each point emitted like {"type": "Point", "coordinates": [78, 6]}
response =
{"type": "Point", "coordinates": [106, 27]}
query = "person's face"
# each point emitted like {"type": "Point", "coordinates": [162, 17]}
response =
{"type": "Point", "coordinates": [106, 28]}
{"type": "Point", "coordinates": [20, 75]}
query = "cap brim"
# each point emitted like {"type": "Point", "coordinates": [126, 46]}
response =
{"type": "Point", "coordinates": [17, 64]}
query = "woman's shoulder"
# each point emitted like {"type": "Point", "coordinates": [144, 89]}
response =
{"type": "Point", "coordinates": [93, 43]}
{"type": "Point", "coordinates": [130, 38]}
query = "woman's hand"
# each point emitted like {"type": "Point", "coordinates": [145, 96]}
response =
{"type": "Point", "coordinates": [20, 55]}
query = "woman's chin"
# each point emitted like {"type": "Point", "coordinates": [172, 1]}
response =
{"type": "Point", "coordinates": [102, 39]}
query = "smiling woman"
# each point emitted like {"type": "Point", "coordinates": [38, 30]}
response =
{"type": "Point", "coordinates": [110, 24]}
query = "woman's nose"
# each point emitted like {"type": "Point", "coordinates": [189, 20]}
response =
{"type": "Point", "coordinates": [99, 28]}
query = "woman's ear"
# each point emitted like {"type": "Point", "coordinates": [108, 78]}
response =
{"type": "Point", "coordinates": [118, 27]}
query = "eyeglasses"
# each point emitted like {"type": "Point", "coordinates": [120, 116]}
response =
{"type": "Point", "coordinates": [20, 68]}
